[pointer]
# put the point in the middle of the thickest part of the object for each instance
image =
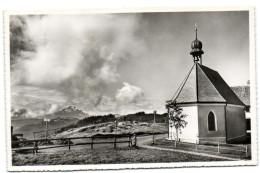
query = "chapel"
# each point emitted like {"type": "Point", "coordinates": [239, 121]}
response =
{"type": "Point", "coordinates": [214, 112]}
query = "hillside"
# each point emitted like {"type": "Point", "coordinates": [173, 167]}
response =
{"type": "Point", "coordinates": [144, 117]}
{"type": "Point", "coordinates": [28, 129]}
{"type": "Point", "coordinates": [102, 124]}
{"type": "Point", "coordinates": [138, 117]}
{"type": "Point", "coordinates": [132, 123]}
{"type": "Point", "coordinates": [126, 127]}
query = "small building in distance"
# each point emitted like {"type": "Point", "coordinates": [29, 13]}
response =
{"type": "Point", "coordinates": [243, 93]}
{"type": "Point", "coordinates": [215, 112]}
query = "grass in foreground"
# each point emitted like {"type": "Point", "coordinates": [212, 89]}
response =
{"type": "Point", "coordinates": [105, 156]}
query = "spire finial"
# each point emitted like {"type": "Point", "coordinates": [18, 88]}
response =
{"type": "Point", "coordinates": [196, 28]}
{"type": "Point", "coordinates": [196, 47]}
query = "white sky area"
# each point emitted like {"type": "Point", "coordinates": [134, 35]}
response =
{"type": "Point", "coordinates": [119, 63]}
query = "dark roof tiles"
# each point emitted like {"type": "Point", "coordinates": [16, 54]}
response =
{"type": "Point", "coordinates": [206, 85]}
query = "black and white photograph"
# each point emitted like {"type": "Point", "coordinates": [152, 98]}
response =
{"type": "Point", "coordinates": [121, 90]}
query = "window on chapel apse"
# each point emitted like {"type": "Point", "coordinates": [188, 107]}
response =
{"type": "Point", "coordinates": [211, 122]}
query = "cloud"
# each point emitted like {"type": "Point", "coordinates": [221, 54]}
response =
{"type": "Point", "coordinates": [60, 60]}
{"type": "Point", "coordinates": [19, 40]}
{"type": "Point", "coordinates": [18, 112]}
{"type": "Point", "coordinates": [77, 54]}
{"type": "Point", "coordinates": [36, 100]}
{"type": "Point", "coordinates": [129, 94]}
{"type": "Point", "coordinates": [24, 113]}
{"type": "Point", "coordinates": [74, 59]}
{"type": "Point", "coordinates": [53, 108]}
{"type": "Point", "coordinates": [132, 99]}
{"type": "Point", "coordinates": [106, 105]}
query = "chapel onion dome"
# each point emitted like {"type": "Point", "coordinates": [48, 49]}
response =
{"type": "Point", "coordinates": [196, 44]}
{"type": "Point", "coordinates": [196, 47]}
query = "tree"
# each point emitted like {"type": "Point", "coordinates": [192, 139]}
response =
{"type": "Point", "coordinates": [176, 117]}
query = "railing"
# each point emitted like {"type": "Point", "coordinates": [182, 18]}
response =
{"type": "Point", "coordinates": [223, 148]}
{"type": "Point", "coordinates": [41, 144]}
{"type": "Point", "coordinates": [214, 147]}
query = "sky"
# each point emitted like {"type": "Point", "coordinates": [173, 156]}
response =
{"type": "Point", "coordinates": [119, 63]}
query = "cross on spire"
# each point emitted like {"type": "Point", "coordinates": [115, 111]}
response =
{"type": "Point", "coordinates": [196, 28]}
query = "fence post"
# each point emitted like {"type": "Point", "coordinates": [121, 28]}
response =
{"type": "Point", "coordinates": [92, 141]}
{"type": "Point", "coordinates": [163, 137]}
{"type": "Point", "coordinates": [115, 142]}
{"type": "Point", "coordinates": [69, 143]}
{"type": "Point", "coordinates": [196, 146]}
{"type": "Point", "coordinates": [246, 151]}
{"type": "Point", "coordinates": [153, 139]}
{"type": "Point", "coordinates": [175, 142]}
{"type": "Point", "coordinates": [135, 140]}
{"type": "Point", "coordinates": [129, 140]}
{"type": "Point", "coordinates": [218, 148]}
{"type": "Point", "coordinates": [36, 146]}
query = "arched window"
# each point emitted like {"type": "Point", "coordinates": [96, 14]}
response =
{"type": "Point", "coordinates": [211, 122]}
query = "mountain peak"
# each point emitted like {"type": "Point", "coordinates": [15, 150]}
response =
{"type": "Point", "coordinates": [71, 111]}
{"type": "Point", "coordinates": [71, 108]}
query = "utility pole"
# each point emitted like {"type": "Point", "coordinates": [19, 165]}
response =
{"type": "Point", "coordinates": [116, 124]}
{"type": "Point", "coordinates": [46, 120]}
{"type": "Point", "coordinates": [115, 133]}
{"type": "Point", "coordinates": [154, 113]}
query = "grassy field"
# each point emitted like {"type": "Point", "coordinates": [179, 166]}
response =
{"type": "Point", "coordinates": [105, 156]}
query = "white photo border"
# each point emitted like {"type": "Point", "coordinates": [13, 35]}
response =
{"type": "Point", "coordinates": [253, 102]}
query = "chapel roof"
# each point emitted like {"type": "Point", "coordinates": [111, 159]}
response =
{"type": "Point", "coordinates": [204, 85]}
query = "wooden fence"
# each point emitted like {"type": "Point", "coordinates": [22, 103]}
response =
{"type": "Point", "coordinates": [41, 144]}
